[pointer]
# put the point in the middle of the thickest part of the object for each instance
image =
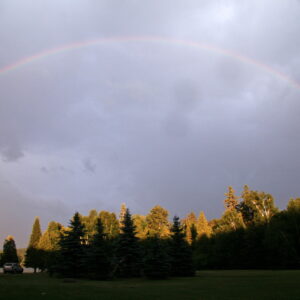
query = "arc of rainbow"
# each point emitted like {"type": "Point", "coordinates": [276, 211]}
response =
{"type": "Point", "coordinates": [203, 46]}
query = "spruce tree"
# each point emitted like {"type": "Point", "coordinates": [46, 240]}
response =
{"type": "Point", "coordinates": [231, 200]}
{"type": "Point", "coordinates": [122, 214]}
{"type": "Point", "coordinates": [128, 252]}
{"type": "Point", "coordinates": [180, 252]}
{"type": "Point", "coordinates": [72, 249]}
{"type": "Point", "coordinates": [99, 255]}
{"type": "Point", "coordinates": [33, 255]}
{"type": "Point", "coordinates": [156, 263]}
{"type": "Point", "coordinates": [203, 228]}
{"type": "Point", "coordinates": [190, 225]}
{"type": "Point", "coordinates": [9, 251]}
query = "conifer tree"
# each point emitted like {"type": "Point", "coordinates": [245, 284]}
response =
{"type": "Point", "coordinates": [122, 214]}
{"type": "Point", "coordinates": [156, 259]}
{"type": "Point", "coordinates": [99, 255]}
{"type": "Point", "coordinates": [72, 249]}
{"type": "Point", "coordinates": [9, 251]}
{"type": "Point", "coordinates": [180, 252]}
{"type": "Point", "coordinates": [203, 228]}
{"type": "Point", "coordinates": [231, 200]}
{"type": "Point", "coordinates": [32, 255]}
{"type": "Point", "coordinates": [128, 252]}
{"type": "Point", "coordinates": [194, 235]}
{"type": "Point", "coordinates": [190, 223]}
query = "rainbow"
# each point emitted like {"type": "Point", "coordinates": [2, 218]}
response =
{"type": "Point", "coordinates": [202, 46]}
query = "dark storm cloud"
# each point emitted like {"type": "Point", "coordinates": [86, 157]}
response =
{"type": "Point", "coordinates": [145, 122]}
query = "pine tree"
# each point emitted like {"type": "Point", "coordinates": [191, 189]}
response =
{"type": "Point", "coordinates": [231, 201]}
{"type": "Point", "coordinates": [72, 249]}
{"type": "Point", "coordinates": [156, 259]}
{"type": "Point", "coordinates": [203, 228]}
{"type": "Point", "coordinates": [32, 255]}
{"type": "Point", "coordinates": [180, 252]}
{"type": "Point", "coordinates": [9, 251]}
{"type": "Point", "coordinates": [128, 252]}
{"type": "Point", "coordinates": [157, 222]}
{"type": "Point", "coordinates": [99, 255]}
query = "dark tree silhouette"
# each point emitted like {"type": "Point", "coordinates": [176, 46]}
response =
{"type": "Point", "coordinates": [128, 252]}
{"type": "Point", "coordinates": [99, 255]}
{"type": "Point", "coordinates": [9, 251]}
{"type": "Point", "coordinates": [180, 252]}
{"type": "Point", "coordinates": [33, 255]}
{"type": "Point", "coordinates": [72, 249]}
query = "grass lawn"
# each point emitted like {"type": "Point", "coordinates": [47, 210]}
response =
{"type": "Point", "coordinates": [206, 285]}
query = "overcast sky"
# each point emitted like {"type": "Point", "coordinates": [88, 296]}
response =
{"type": "Point", "coordinates": [143, 121]}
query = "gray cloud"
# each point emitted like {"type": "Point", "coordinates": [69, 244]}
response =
{"type": "Point", "coordinates": [89, 165]}
{"type": "Point", "coordinates": [152, 121]}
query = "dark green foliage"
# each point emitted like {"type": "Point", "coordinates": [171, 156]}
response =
{"type": "Point", "coordinates": [180, 252]}
{"type": "Point", "coordinates": [128, 252]}
{"type": "Point", "coordinates": [202, 252]}
{"type": "Point", "coordinates": [252, 234]}
{"type": "Point", "coordinates": [156, 259]}
{"type": "Point", "coordinates": [99, 255]}
{"type": "Point", "coordinates": [9, 251]}
{"type": "Point", "coordinates": [33, 254]}
{"type": "Point", "coordinates": [274, 244]}
{"type": "Point", "coordinates": [194, 234]}
{"type": "Point", "coordinates": [282, 240]}
{"type": "Point", "coordinates": [72, 250]}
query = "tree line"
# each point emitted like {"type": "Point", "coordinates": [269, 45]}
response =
{"type": "Point", "coordinates": [251, 233]}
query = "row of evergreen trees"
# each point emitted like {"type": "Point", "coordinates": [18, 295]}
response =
{"type": "Point", "coordinates": [101, 257]}
{"type": "Point", "coordinates": [252, 233]}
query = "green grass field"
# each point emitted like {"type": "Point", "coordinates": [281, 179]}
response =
{"type": "Point", "coordinates": [206, 285]}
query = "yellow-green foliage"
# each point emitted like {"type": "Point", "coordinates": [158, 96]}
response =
{"type": "Point", "coordinates": [203, 228]}
{"type": "Point", "coordinates": [157, 222]}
